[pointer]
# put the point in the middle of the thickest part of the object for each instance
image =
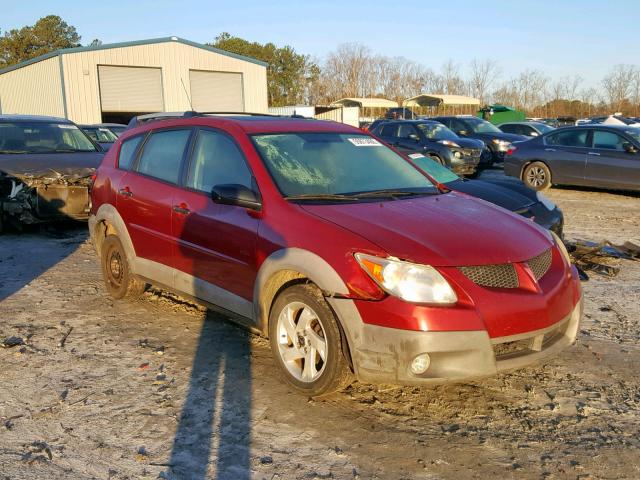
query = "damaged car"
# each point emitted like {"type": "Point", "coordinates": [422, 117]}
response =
{"type": "Point", "coordinates": [46, 170]}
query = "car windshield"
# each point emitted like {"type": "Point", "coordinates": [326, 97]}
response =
{"type": "Point", "coordinates": [437, 131]}
{"type": "Point", "coordinates": [117, 131]}
{"type": "Point", "coordinates": [434, 169]}
{"type": "Point", "coordinates": [633, 133]}
{"type": "Point", "coordinates": [542, 127]}
{"type": "Point", "coordinates": [43, 137]}
{"type": "Point", "coordinates": [478, 125]}
{"type": "Point", "coordinates": [101, 135]}
{"type": "Point", "coordinates": [342, 166]}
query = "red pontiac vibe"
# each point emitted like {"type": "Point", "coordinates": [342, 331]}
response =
{"type": "Point", "coordinates": [341, 252]}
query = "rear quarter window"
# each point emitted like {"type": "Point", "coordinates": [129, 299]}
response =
{"type": "Point", "coordinates": [128, 152]}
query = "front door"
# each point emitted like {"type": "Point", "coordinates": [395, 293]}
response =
{"type": "Point", "coordinates": [609, 165]}
{"type": "Point", "coordinates": [565, 151]}
{"type": "Point", "coordinates": [215, 247]}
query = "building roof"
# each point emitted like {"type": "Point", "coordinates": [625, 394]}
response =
{"type": "Point", "coordinates": [435, 100]}
{"type": "Point", "coordinates": [9, 118]}
{"type": "Point", "coordinates": [365, 102]}
{"type": "Point", "coordinates": [65, 51]}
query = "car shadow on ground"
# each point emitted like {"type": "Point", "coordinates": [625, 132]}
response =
{"type": "Point", "coordinates": [24, 256]}
{"type": "Point", "coordinates": [624, 193]}
{"type": "Point", "coordinates": [214, 428]}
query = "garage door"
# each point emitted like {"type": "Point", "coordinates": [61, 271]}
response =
{"type": "Point", "coordinates": [216, 91]}
{"type": "Point", "coordinates": [130, 89]}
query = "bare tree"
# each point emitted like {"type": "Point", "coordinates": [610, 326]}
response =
{"type": "Point", "coordinates": [618, 85]}
{"type": "Point", "coordinates": [452, 81]}
{"type": "Point", "coordinates": [483, 74]}
{"type": "Point", "coordinates": [589, 98]}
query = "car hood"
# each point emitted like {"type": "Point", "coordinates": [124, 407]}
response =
{"type": "Point", "coordinates": [50, 167]}
{"type": "Point", "coordinates": [509, 137]}
{"type": "Point", "coordinates": [441, 230]}
{"type": "Point", "coordinates": [470, 143]}
{"type": "Point", "coordinates": [497, 193]}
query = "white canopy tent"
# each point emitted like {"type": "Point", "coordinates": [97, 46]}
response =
{"type": "Point", "coordinates": [365, 103]}
{"type": "Point", "coordinates": [437, 100]}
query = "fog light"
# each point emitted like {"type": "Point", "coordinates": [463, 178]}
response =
{"type": "Point", "coordinates": [420, 364]}
{"type": "Point", "coordinates": [457, 154]}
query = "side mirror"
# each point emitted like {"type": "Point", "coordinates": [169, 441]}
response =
{"type": "Point", "coordinates": [534, 134]}
{"type": "Point", "coordinates": [462, 132]}
{"type": "Point", "coordinates": [629, 147]}
{"type": "Point", "coordinates": [235, 194]}
{"type": "Point", "coordinates": [414, 137]}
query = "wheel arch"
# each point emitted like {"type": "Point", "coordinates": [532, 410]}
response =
{"type": "Point", "coordinates": [535, 160]}
{"type": "Point", "coordinates": [107, 221]}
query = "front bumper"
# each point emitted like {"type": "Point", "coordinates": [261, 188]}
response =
{"type": "Point", "coordinates": [384, 355]}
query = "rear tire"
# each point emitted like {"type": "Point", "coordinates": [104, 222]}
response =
{"type": "Point", "coordinates": [537, 176]}
{"type": "Point", "coordinates": [306, 342]}
{"type": "Point", "coordinates": [116, 271]}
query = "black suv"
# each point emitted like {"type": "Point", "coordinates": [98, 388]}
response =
{"type": "Point", "coordinates": [434, 140]}
{"type": "Point", "coordinates": [497, 141]}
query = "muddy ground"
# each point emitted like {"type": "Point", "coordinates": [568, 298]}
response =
{"type": "Point", "coordinates": [161, 388]}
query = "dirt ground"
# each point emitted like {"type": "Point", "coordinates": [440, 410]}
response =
{"type": "Point", "coordinates": [161, 388]}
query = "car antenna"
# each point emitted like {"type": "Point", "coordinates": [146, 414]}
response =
{"type": "Point", "coordinates": [186, 93]}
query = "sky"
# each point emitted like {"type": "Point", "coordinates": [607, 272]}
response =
{"type": "Point", "coordinates": [560, 38]}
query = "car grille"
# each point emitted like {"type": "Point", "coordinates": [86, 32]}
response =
{"type": "Point", "coordinates": [472, 152]}
{"type": "Point", "coordinates": [505, 275]}
{"type": "Point", "coordinates": [496, 276]}
{"type": "Point", "coordinates": [540, 265]}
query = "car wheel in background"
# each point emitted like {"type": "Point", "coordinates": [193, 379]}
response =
{"type": "Point", "coordinates": [116, 271]}
{"type": "Point", "coordinates": [436, 158]}
{"type": "Point", "coordinates": [306, 341]}
{"type": "Point", "coordinates": [486, 158]}
{"type": "Point", "coordinates": [537, 176]}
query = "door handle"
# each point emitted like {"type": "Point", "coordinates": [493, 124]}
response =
{"type": "Point", "coordinates": [126, 191]}
{"type": "Point", "coordinates": [593, 153]}
{"type": "Point", "coordinates": [182, 209]}
{"type": "Point", "coordinates": [549, 149]}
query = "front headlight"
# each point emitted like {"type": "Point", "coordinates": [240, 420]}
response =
{"type": "Point", "coordinates": [409, 281]}
{"type": "Point", "coordinates": [561, 247]}
{"type": "Point", "coordinates": [449, 143]}
{"type": "Point", "coordinates": [502, 145]}
{"type": "Point", "coordinates": [546, 201]}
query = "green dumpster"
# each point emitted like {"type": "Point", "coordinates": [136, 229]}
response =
{"type": "Point", "coordinates": [498, 114]}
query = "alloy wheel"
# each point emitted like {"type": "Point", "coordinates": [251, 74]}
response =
{"type": "Point", "coordinates": [302, 343]}
{"type": "Point", "coordinates": [536, 177]}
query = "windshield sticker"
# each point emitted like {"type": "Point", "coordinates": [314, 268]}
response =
{"type": "Point", "coordinates": [365, 142]}
{"type": "Point", "coordinates": [416, 155]}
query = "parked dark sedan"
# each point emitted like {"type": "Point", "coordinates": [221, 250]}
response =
{"type": "Point", "coordinates": [504, 192]}
{"type": "Point", "coordinates": [433, 139]}
{"type": "Point", "coordinates": [497, 142]}
{"type": "Point", "coordinates": [604, 156]}
{"type": "Point", "coordinates": [46, 168]}
{"type": "Point", "coordinates": [104, 134]}
{"type": "Point", "coordinates": [528, 129]}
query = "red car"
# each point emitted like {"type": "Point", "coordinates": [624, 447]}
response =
{"type": "Point", "coordinates": [339, 250]}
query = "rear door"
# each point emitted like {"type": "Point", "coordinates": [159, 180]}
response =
{"type": "Point", "coordinates": [145, 194]}
{"type": "Point", "coordinates": [215, 248]}
{"type": "Point", "coordinates": [609, 165]}
{"type": "Point", "coordinates": [565, 151]}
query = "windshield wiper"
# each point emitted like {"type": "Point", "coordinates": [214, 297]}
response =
{"type": "Point", "coordinates": [391, 193]}
{"type": "Point", "coordinates": [321, 196]}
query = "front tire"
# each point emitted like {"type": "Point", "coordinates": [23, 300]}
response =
{"type": "Point", "coordinates": [116, 271]}
{"type": "Point", "coordinates": [306, 342]}
{"type": "Point", "coordinates": [537, 176]}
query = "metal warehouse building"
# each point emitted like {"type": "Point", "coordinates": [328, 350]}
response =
{"type": "Point", "coordinates": [112, 83]}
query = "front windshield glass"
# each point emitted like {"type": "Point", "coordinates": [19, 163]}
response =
{"type": "Point", "coordinates": [633, 133]}
{"type": "Point", "coordinates": [101, 135]}
{"type": "Point", "coordinates": [542, 127]}
{"type": "Point", "coordinates": [325, 164]}
{"type": "Point", "coordinates": [437, 131]}
{"type": "Point", "coordinates": [434, 169]}
{"type": "Point", "coordinates": [41, 137]}
{"type": "Point", "coordinates": [478, 125]}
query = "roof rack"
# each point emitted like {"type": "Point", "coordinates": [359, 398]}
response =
{"type": "Point", "coordinates": [148, 117]}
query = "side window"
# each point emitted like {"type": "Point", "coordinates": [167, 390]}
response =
{"type": "Point", "coordinates": [458, 126]}
{"type": "Point", "coordinates": [607, 140]}
{"type": "Point", "coordinates": [508, 128]}
{"type": "Point", "coordinates": [526, 130]}
{"type": "Point", "coordinates": [388, 130]}
{"type": "Point", "coordinates": [568, 138]}
{"type": "Point", "coordinates": [217, 160]}
{"type": "Point", "coordinates": [162, 154]}
{"type": "Point", "coordinates": [128, 152]}
{"type": "Point", "coordinates": [406, 130]}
